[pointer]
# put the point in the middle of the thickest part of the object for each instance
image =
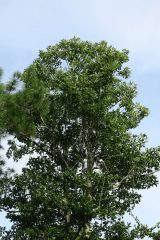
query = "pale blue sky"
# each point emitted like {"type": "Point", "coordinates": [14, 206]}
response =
{"type": "Point", "coordinates": [30, 25]}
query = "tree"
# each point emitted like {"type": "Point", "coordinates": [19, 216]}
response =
{"type": "Point", "coordinates": [73, 116]}
{"type": "Point", "coordinates": [5, 173]}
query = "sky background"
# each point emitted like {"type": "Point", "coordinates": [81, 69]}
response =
{"type": "Point", "coordinates": [30, 25]}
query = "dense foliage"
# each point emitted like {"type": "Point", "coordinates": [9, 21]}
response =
{"type": "Point", "coordinates": [73, 115]}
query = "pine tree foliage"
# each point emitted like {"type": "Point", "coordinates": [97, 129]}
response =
{"type": "Point", "coordinates": [5, 172]}
{"type": "Point", "coordinates": [74, 116]}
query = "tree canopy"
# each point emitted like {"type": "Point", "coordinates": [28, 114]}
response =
{"type": "Point", "coordinates": [72, 112]}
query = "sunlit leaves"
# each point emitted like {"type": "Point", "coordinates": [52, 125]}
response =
{"type": "Point", "coordinates": [73, 116]}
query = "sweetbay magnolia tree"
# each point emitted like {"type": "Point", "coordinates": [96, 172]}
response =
{"type": "Point", "coordinates": [73, 116]}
